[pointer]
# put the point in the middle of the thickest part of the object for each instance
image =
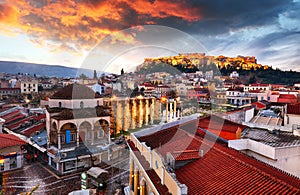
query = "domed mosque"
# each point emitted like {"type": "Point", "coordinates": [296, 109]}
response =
{"type": "Point", "coordinates": [78, 129]}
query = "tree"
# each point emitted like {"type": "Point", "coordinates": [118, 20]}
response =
{"type": "Point", "coordinates": [252, 79]}
{"type": "Point", "coordinates": [95, 74]}
{"type": "Point", "coordinates": [82, 76]}
{"type": "Point", "coordinates": [122, 71]}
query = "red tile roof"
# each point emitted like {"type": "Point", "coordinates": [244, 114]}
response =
{"type": "Point", "coordinates": [8, 140]}
{"type": "Point", "coordinates": [74, 91]}
{"type": "Point", "coordinates": [221, 170]}
{"type": "Point", "coordinates": [293, 109]}
{"type": "Point", "coordinates": [259, 85]}
{"type": "Point", "coordinates": [33, 129]}
{"type": "Point", "coordinates": [27, 119]}
{"type": "Point", "coordinates": [287, 96]}
{"type": "Point", "coordinates": [255, 91]}
{"type": "Point", "coordinates": [186, 155]}
{"type": "Point", "coordinates": [259, 105]}
{"type": "Point", "coordinates": [11, 114]}
{"type": "Point", "coordinates": [14, 118]}
{"type": "Point", "coordinates": [219, 124]}
{"type": "Point", "coordinates": [236, 89]}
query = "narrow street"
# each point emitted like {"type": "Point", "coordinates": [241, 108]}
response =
{"type": "Point", "coordinates": [35, 174]}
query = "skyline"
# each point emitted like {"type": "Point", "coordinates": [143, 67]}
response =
{"type": "Point", "coordinates": [67, 32]}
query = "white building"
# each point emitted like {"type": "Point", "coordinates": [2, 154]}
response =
{"type": "Point", "coordinates": [98, 88]}
{"type": "Point", "coordinates": [78, 129]}
{"type": "Point", "coordinates": [234, 74]}
{"type": "Point", "coordinates": [29, 86]}
{"type": "Point", "coordinates": [277, 148]}
{"type": "Point", "coordinates": [251, 87]}
{"type": "Point", "coordinates": [11, 152]}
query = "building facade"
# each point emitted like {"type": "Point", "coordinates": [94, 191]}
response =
{"type": "Point", "coordinates": [29, 86]}
{"type": "Point", "coordinates": [78, 129]}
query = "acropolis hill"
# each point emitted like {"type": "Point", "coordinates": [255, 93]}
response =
{"type": "Point", "coordinates": [198, 60]}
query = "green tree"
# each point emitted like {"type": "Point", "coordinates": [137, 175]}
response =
{"type": "Point", "coordinates": [82, 76]}
{"type": "Point", "coordinates": [252, 79]}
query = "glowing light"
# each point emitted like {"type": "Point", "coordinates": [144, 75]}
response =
{"type": "Point", "coordinates": [139, 97]}
{"type": "Point", "coordinates": [163, 99]}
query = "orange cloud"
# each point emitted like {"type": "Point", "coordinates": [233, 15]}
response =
{"type": "Point", "coordinates": [164, 9]}
{"type": "Point", "coordinates": [82, 24]}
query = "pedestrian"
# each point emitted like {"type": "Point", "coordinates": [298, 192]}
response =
{"type": "Point", "coordinates": [28, 157]}
{"type": "Point", "coordinates": [35, 157]}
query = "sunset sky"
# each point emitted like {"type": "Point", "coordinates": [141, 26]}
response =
{"type": "Point", "coordinates": [64, 32]}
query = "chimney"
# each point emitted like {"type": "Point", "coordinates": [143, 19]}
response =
{"type": "Point", "coordinates": [201, 153]}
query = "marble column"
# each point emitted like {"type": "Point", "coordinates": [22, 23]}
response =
{"type": "Point", "coordinates": [127, 115]}
{"type": "Point", "coordinates": [143, 188]}
{"type": "Point", "coordinates": [136, 182]}
{"type": "Point", "coordinates": [167, 111]}
{"type": "Point", "coordinates": [175, 111]}
{"type": "Point", "coordinates": [59, 141]}
{"type": "Point", "coordinates": [119, 112]}
{"type": "Point", "coordinates": [131, 174]}
{"type": "Point", "coordinates": [141, 114]}
{"type": "Point", "coordinates": [152, 111]}
{"type": "Point", "coordinates": [171, 110]}
{"type": "Point", "coordinates": [133, 114]}
{"type": "Point", "coordinates": [77, 136]}
{"type": "Point", "coordinates": [147, 111]}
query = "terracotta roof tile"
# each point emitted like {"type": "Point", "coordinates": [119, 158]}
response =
{"type": "Point", "coordinates": [287, 96]}
{"type": "Point", "coordinates": [259, 105]}
{"type": "Point", "coordinates": [34, 129]}
{"type": "Point", "coordinates": [221, 170]}
{"type": "Point", "coordinates": [8, 140]}
{"type": "Point", "coordinates": [74, 91]}
{"type": "Point", "coordinates": [293, 109]}
{"type": "Point", "coordinates": [219, 124]}
{"type": "Point", "coordinates": [186, 155]}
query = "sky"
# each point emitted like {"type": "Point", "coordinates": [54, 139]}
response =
{"type": "Point", "coordinates": [109, 35]}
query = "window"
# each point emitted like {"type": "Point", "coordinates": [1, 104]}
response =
{"type": "Point", "coordinates": [62, 138]}
{"type": "Point", "coordinates": [34, 85]}
{"type": "Point", "coordinates": [73, 137]}
{"type": "Point", "coordinates": [24, 89]}
{"type": "Point", "coordinates": [81, 104]}
{"type": "Point", "coordinates": [2, 164]}
{"type": "Point", "coordinates": [100, 133]}
{"type": "Point", "coordinates": [24, 84]}
{"type": "Point", "coordinates": [59, 104]}
{"type": "Point", "coordinates": [13, 162]}
{"type": "Point", "coordinates": [89, 135]}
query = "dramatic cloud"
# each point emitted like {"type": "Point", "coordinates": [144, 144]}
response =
{"type": "Point", "coordinates": [76, 25]}
{"type": "Point", "coordinates": [228, 27]}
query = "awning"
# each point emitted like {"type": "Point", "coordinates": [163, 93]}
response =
{"type": "Point", "coordinates": [96, 172]}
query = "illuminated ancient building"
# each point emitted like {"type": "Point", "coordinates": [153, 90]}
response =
{"type": "Point", "coordinates": [131, 113]}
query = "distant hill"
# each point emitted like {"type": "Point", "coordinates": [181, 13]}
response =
{"type": "Point", "coordinates": [43, 70]}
